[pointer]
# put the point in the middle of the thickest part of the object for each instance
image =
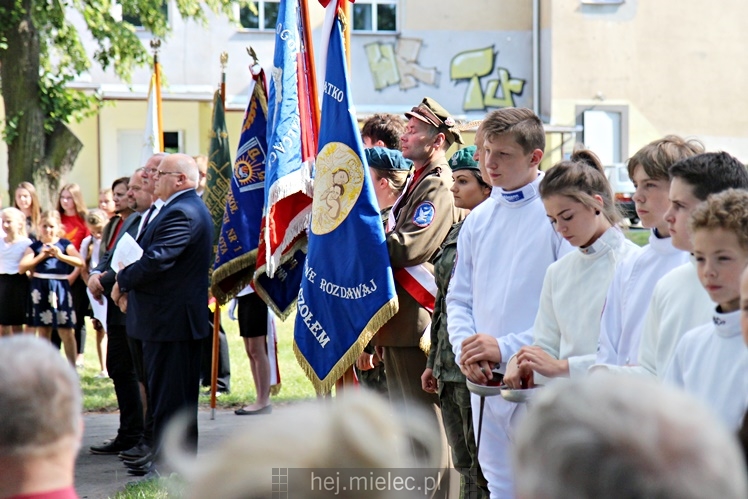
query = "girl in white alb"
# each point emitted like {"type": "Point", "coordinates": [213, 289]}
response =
{"type": "Point", "coordinates": [579, 202]}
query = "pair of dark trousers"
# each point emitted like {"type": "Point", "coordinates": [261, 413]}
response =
{"type": "Point", "coordinates": [121, 370]}
{"type": "Point", "coordinates": [173, 370]}
{"type": "Point", "coordinates": [136, 351]}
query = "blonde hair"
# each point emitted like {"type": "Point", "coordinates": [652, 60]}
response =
{"type": "Point", "coordinates": [726, 210]}
{"type": "Point", "coordinates": [16, 217]}
{"type": "Point", "coordinates": [75, 192]}
{"type": "Point", "coordinates": [35, 207]}
{"type": "Point", "coordinates": [54, 216]}
{"type": "Point", "coordinates": [522, 124]}
{"type": "Point", "coordinates": [581, 178]}
{"type": "Point", "coordinates": [658, 156]}
{"type": "Point", "coordinates": [359, 430]}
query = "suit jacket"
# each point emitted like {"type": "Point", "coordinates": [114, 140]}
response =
{"type": "Point", "coordinates": [113, 314]}
{"type": "Point", "coordinates": [168, 287]}
{"type": "Point", "coordinates": [411, 243]}
{"type": "Point", "coordinates": [107, 233]}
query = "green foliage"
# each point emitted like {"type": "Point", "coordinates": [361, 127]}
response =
{"type": "Point", "coordinates": [98, 394]}
{"type": "Point", "coordinates": [117, 46]}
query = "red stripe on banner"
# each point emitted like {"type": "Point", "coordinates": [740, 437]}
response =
{"type": "Point", "coordinates": [414, 289]}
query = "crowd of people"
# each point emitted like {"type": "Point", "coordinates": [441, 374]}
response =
{"type": "Point", "coordinates": [537, 283]}
{"type": "Point", "coordinates": [634, 356]}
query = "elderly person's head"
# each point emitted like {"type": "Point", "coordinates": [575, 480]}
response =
{"type": "Point", "coordinates": [623, 437]}
{"type": "Point", "coordinates": [176, 172]}
{"type": "Point", "coordinates": [347, 437]}
{"type": "Point", "coordinates": [40, 417]}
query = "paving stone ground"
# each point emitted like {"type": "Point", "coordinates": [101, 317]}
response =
{"type": "Point", "coordinates": [100, 477]}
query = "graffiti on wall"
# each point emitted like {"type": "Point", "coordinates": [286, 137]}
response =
{"type": "Point", "coordinates": [488, 85]}
{"type": "Point", "coordinates": [397, 64]}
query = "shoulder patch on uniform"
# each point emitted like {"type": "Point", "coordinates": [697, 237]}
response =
{"type": "Point", "coordinates": [424, 214]}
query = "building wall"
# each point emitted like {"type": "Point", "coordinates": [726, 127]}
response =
{"type": "Point", "coordinates": [674, 63]}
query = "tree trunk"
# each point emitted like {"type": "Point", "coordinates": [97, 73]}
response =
{"type": "Point", "coordinates": [20, 87]}
{"type": "Point", "coordinates": [32, 155]}
{"type": "Point", "coordinates": [62, 147]}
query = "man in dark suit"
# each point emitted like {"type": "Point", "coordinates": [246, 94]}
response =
{"type": "Point", "coordinates": [119, 359]}
{"type": "Point", "coordinates": [167, 289]}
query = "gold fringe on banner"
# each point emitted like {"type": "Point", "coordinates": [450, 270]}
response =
{"type": "Point", "coordinates": [281, 314]}
{"type": "Point", "coordinates": [244, 262]}
{"type": "Point", "coordinates": [323, 386]}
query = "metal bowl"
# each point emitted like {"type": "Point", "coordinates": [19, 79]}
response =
{"type": "Point", "coordinates": [518, 396]}
{"type": "Point", "coordinates": [484, 390]}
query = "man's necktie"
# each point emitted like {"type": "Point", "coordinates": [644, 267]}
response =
{"type": "Point", "coordinates": [145, 222]}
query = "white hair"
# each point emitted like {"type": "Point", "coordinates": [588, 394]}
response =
{"type": "Point", "coordinates": [358, 430]}
{"type": "Point", "coordinates": [624, 437]}
{"type": "Point", "coordinates": [40, 398]}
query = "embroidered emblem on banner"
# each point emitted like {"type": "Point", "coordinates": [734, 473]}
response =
{"type": "Point", "coordinates": [424, 214]}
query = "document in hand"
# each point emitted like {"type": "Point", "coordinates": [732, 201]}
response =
{"type": "Point", "coordinates": [127, 252]}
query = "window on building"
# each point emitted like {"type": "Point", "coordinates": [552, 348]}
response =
{"type": "Point", "coordinates": [173, 142]}
{"type": "Point", "coordinates": [266, 17]}
{"type": "Point", "coordinates": [605, 131]}
{"type": "Point", "coordinates": [135, 20]}
{"type": "Point", "coordinates": [374, 15]}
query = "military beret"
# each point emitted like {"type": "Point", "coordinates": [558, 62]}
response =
{"type": "Point", "coordinates": [382, 158]}
{"type": "Point", "coordinates": [431, 112]}
{"type": "Point", "coordinates": [463, 159]}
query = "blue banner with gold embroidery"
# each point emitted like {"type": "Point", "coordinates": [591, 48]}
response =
{"type": "Point", "coordinates": [347, 291]}
{"type": "Point", "coordinates": [240, 232]}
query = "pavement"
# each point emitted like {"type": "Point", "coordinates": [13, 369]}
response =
{"type": "Point", "coordinates": [100, 477]}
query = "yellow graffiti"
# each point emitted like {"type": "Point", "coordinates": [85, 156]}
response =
{"type": "Point", "coordinates": [392, 64]}
{"type": "Point", "coordinates": [473, 65]}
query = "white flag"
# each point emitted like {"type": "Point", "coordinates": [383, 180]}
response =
{"type": "Point", "coordinates": [152, 134]}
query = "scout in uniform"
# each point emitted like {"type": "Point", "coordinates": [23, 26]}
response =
{"type": "Point", "coordinates": [442, 374]}
{"type": "Point", "coordinates": [419, 222]}
{"type": "Point", "coordinates": [389, 172]}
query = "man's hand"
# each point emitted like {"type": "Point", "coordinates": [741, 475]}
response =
{"type": "Point", "coordinates": [478, 372]}
{"type": "Point", "coordinates": [94, 285]}
{"type": "Point", "coordinates": [428, 381]}
{"type": "Point", "coordinates": [122, 303]}
{"type": "Point", "coordinates": [480, 347]}
{"type": "Point", "coordinates": [365, 362]}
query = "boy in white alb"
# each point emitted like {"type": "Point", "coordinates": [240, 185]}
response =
{"type": "Point", "coordinates": [503, 250]}
{"type": "Point", "coordinates": [679, 303]}
{"type": "Point", "coordinates": [711, 361]}
{"type": "Point", "coordinates": [634, 280]}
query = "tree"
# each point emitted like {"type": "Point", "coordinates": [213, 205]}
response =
{"type": "Point", "coordinates": [41, 52]}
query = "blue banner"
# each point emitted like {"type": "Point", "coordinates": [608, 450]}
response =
{"type": "Point", "coordinates": [347, 291]}
{"type": "Point", "coordinates": [288, 175]}
{"type": "Point", "coordinates": [240, 232]}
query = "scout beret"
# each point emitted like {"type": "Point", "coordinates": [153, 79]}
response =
{"type": "Point", "coordinates": [463, 159]}
{"type": "Point", "coordinates": [431, 112]}
{"type": "Point", "coordinates": [382, 158]}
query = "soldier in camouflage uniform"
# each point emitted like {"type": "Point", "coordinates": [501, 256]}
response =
{"type": "Point", "coordinates": [442, 374]}
{"type": "Point", "coordinates": [389, 171]}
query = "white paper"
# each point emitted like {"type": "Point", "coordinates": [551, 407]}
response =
{"type": "Point", "coordinates": [99, 309]}
{"type": "Point", "coordinates": [127, 252]}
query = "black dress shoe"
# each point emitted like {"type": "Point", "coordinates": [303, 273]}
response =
{"type": "Point", "coordinates": [137, 452]}
{"type": "Point", "coordinates": [139, 462]}
{"type": "Point", "coordinates": [264, 410]}
{"type": "Point", "coordinates": [142, 470]}
{"type": "Point", "coordinates": [113, 446]}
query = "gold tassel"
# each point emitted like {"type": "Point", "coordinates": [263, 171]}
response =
{"type": "Point", "coordinates": [323, 386]}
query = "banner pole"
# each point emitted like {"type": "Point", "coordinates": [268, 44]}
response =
{"type": "Point", "coordinates": [214, 363]}
{"type": "Point", "coordinates": [155, 46]}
